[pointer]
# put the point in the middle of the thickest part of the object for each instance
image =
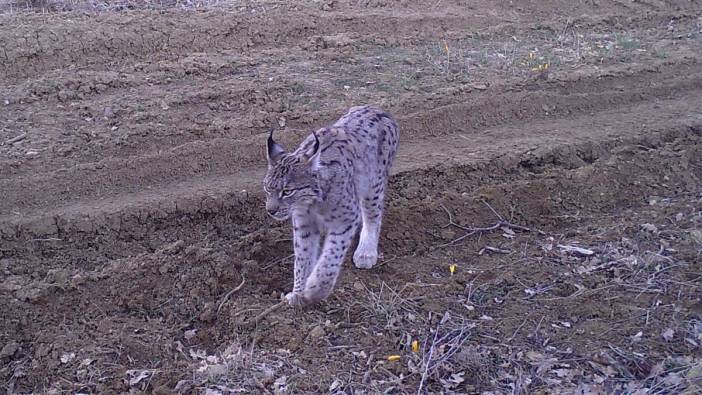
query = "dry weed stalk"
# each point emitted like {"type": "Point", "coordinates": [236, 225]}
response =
{"type": "Point", "coordinates": [451, 342]}
{"type": "Point", "coordinates": [226, 297]}
{"type": "Point", "coordinates": [254, 321]}
{"type": "Point", "coordinates": [502, 223]}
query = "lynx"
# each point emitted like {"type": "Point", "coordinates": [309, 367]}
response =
{"type": "Point", "coordinates": [330, 185]}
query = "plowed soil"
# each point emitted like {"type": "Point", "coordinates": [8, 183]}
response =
{"type": "Point", "coordinates": [134, 245]}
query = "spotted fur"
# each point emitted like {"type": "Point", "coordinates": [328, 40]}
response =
{"type": "Point", "coordinates": [330, 185]}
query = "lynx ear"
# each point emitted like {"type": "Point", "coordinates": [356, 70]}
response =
{"type": "Point", "coordinates": [275, 150]}
{"type": "Point", "coordinates": [312, 152]}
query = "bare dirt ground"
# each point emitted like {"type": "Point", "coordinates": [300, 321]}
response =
{"type": "Point", "coordinates": [134, 248]}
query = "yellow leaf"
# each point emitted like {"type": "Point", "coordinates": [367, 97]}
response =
{"type": "Point", "coordinates": [394, 358]}
{"type": "Point", "coordinates": [452, 269]}
{"type": "Point", "coordinates": [415, 346]}
{"type": "Point", "coordinates": [446, 48]}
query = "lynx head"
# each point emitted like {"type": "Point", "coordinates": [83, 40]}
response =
{"type": "Point", "coordinates": [291, 180]}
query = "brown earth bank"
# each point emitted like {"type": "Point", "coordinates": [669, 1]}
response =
{"type": "Point", "coordinates": [544, 223]}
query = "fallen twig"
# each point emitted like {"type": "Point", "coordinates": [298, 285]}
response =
{"type": "Point", "coordinates": [264, 313]}
{"type": "Point", "coordinates": [473, 230]}
{"type": "Point", "coordinates": [576, 250]}
{"type": "Point", "coordinates": [494, 249]}
{"type": "Point", "coordinates": [226, 297]}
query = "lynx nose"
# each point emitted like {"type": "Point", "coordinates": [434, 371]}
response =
{"type": "Point", "coordinates": [271, 208]}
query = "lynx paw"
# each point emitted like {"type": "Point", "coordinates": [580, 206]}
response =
{"type": "Point", "coordinates": [295, 299]}
{"type": "Point", "coordinates": [365, 259]}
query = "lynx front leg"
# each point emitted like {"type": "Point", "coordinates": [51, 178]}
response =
{"type": "Point", "coordinates": [306, 240]}
{"type": "Point", "coordinates": [366, 254]}
{"type": "Point", "coordinates": [321, 281]}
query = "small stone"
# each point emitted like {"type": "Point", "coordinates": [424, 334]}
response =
{"type": "Point", "coordinates": [480, 87]}
{"type": "Point", "coordinates": [447, 234]}
{"type": "Point", "coordinates": [216, 371]}
{"type": "Point", "coordinates": [649, 228]}
{"type": "Point", "coordinates": [190, 334]}
{"type": "Point", "coordinates": [317, 332]}
{"type": "Point", "coordinates": [696, 236]}
{"type": "Point", "coordinates": [68, 357]}
{"type": "Point", "coordinates": [9, 350]}
{"type": "Point", "coordinates": [77, 280]}
{"type": "Point", "coordinates": [208, 312]}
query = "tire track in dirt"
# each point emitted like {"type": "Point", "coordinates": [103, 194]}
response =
{"type": "Point", "coordinates": [470, 115]}
{"type": "Point", "coordinates": [635, 120]}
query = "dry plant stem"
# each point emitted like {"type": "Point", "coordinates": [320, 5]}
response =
{"type": "Point", "coordinates": [226, 297]}
{"type": "Point", "coordinates": [428, 360]}
{"type": "Point", "coordinates": [16, 139]}
{"type": "Point", "coordinates": [264, 313]}
{"type": "Point", "coordinates": [473, 230]}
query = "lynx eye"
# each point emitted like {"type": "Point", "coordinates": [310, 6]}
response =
{"type": "Point", "coordinates": [287, 192]}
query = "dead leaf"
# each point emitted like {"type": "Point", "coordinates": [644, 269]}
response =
{"type": "Point", "coordinates": [576, 250]}
{"type": "Point", "coordinates": [67, 357]}
{"type": "Point", "coordinates": [695, 373]}
{"type": "Point", "coordinates": [649, 228]}
{"type": "Point", "coordinates": [136, 376]}
{"type": "Point", "coordinates": [280, 386]}
{"type": "Point", "coordinates": [335, 385]}
{"type": "Point", "coordinates": [453, 381]}
{"type": "Point", "coordinates": [673, 379]}
{"type": "Point", "coordinates": [535, 356]}
{"type": "Point", "coordinates": [190, 334]}
{"type": "Point", "coordinates": [668, 334]}
{"type": "Point", "coordinates": [637, 336]}
{"type": "Point", "coordinates": [696, 236]}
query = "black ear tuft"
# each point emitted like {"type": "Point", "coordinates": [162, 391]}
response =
{"type": "Point", "coordinates": [274, 150]}
{"type": "Point", "coordinates": [314, 149]}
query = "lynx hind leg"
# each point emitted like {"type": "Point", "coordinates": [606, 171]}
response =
{"type": "Point", "coordinates": [366, 254]}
